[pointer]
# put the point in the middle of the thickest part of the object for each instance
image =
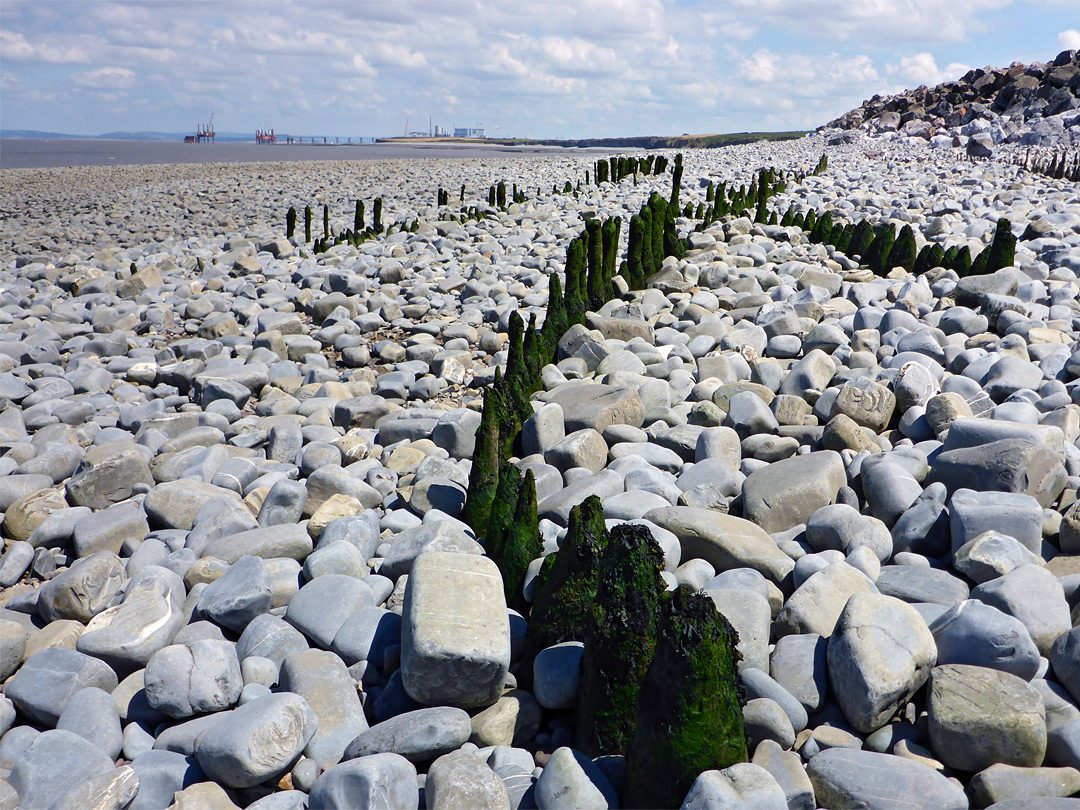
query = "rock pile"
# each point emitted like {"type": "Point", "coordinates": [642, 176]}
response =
{"type": "Point", "coordinates": [234, 474]}
{"type": "Point", "coordinates": [1030, 105]}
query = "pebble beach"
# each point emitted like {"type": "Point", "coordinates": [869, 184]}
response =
{"type": "Point", "coordinates": [233, 470]}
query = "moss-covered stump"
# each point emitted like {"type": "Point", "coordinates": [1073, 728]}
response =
{"type": "Point", "coordinates": [595, 289]}
{"type": "Point", "coordinates": [576, 294]}
{"type": "Point", "coordinates": [534, 360]}
{"type": "Point", "coordinates": [555, 320]}
{"type": "Point", "coordinates": [520, 544]}
{"type": "Point", "coordinates": [484, 476]}
{"type": "Point", "coordinates": [673, 245]}
{"type": "Point", "coordinates": [861, 238]}
{"type": "Point", "coordinates": [903, 252]}
{"type": "Point", "coordinates": [610, 233]}
{"type": "Point", "coordinates": [377, 224]}
{"type": "Point", "coordinates": [689, 714]}
{"type": "Point", "coordinates": [501, 515]}
{"type": "Point", "coordinates": [676, 182]}
{"type": "Point", "coordinates": [567, 584]}
{"type": "Point", "coordinates": [620, 637]}
{"type": "Point", "coordinates": [635, 266]}
{"type": "Point", "coordinates": [518, 384]}
{"type": "Point", "coordinates": [658, 206]}
{"type": "Point", "coordinates": [648, 260]}
{"type": "Point", "coordinates": [961, 262]}
{"type": "Point", "coordinates": [877, 255]}
{"type": "Point", "coordinates": [822, 229]}
{"type": "Point", "coordinates": [1002, 251]}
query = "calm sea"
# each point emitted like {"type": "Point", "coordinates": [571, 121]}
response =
{"type": "Point", "coordinates": [33, 153]}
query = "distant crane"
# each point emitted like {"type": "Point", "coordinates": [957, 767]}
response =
{"type": "Point", "coordinates": [205, 133]}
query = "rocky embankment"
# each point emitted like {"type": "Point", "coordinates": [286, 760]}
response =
{"type": "Point", "coordinates": [232, 473]}
{"type": "Point", "coordinates": [1036, 105]}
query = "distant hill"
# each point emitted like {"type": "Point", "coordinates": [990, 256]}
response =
{"type": "Point", "coordinates": [642, 142]}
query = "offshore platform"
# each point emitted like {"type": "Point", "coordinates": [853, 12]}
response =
{"type": "Point", "coordinates": [203, 132]}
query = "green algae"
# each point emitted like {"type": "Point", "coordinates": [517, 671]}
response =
{"type": "Point", "coordinates": [689, 714]}
{"type": "Point", "coordinates": [620, 637]}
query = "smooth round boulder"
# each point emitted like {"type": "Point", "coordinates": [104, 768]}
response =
{"type": "Point", "coordinates": [419, 736]}
{"type": "Point", "coordinates": [848, 777]}
{"type": "Point", "coordinates": [257, 742]}
{"type": "Point", "coordinates": [379, 780]}
{"type": "Point", "coordinates": [979, 717]}
{"type": "Point", "coordinates": [183, 680]}
{"type": "Point", "coordinates": [880, 653]}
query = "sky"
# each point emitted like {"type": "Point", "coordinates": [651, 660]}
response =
{"type": "Point", "coordinates": [544, 69]}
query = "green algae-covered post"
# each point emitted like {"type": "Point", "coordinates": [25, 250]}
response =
{"type": "Point", "coordinates": [929, 257]}
{"type": "Point", "coordinates": [761, 213]}
{"type": "Point", "coordinates": [648, 263]}
{"type": "Point", "coordinates": [517, 383]}
{"type": "Point", "coordinates": [376, 217]}
{"type": "Point", "coordinates": [1002, 251]}
{"type": "Point", "coordinates": [877, 254]}
{"type": "Point", "coordinates": [555, 321]}
{"type": "Point", "coordinates": [842, 239]}
{"type": "Point", "coordinates": [673, 245]}
{"type": "Point", "coordinates": [532, 353]}
{"type": "Point", "coordinates": [822, 228]}
{"type": "Point", "coordinates": [676, 182]}
{"type": "Point", "coordinates": [507, 416]}
{"type": "Point", "coordinates": [575, 279]}
{"type": "Point", "coordinates": [567, 584]}
{"type": "Point", "coordinates": [307, 223]}
{"type": "Point", "coordinates": [861, 238]}
{"type": "Point", "coordinates": [358, 217]}
{"type": "Point", "coordinates": [594, 283]}
{"type": "Point", "coordinates": [502, 509]}
{"type": "Point", "coordinates": [903, 253]}
{"type": "Point", "coordinates": [610, 236]}
{"type": "Point", "coordinates": [484, 476]}
{"type": "Point", "coordinates": [326, 221]}
{"type": "Point", "coordinates": [620, 637]}
{"type": "Point", "coordinates": [634, 251]}
{"type": "Point", "coordinates": [658, 205]}
{"type": "Point", "coordinates": [290, 223]}
{"type": "Point", "coordinates": [961, 262]}
{"type": "Point", "coordinates": [689, 713]}
{"type": "Point", "coordinates": [521, 543]}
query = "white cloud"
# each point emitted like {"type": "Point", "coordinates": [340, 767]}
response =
{"type": "Point", "coordinates": [918, 69]}
{"type": "Point", "coordinates": [880, 21]}
{"type": "Point", "coordinates": [760, 66]}
{"type": "Point", "coordinates": [17, 48]}
{"type": "Point", "coordinates": [575, 55]}
{"type": "Point", "coordinates": [399, 55]}
{"type": "Point", "coordinates": [360, 65]}
{"type": "Point", "coordinates": [921, 69]}
{"type": "Point", "coordinates": [106, 78]}
{"type": "Point", "coordinates": [1069, 39]}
